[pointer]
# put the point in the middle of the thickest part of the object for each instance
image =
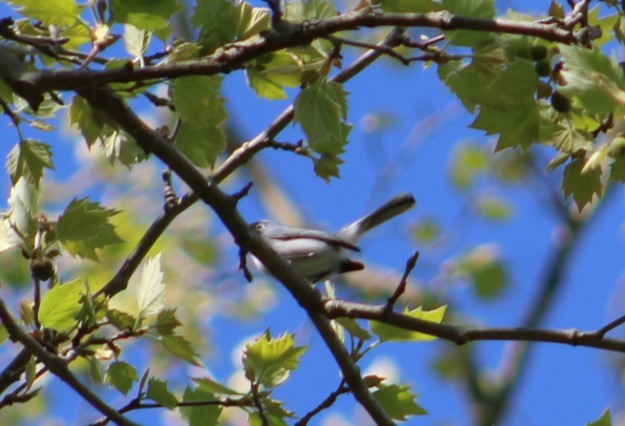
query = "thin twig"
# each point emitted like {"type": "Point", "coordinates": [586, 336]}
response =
{"type": "Point", "coordinates": [384, 49]}
{"type": "Point", "coordinates": [410, 265]}
{"type": "Point", "coordinates": [325, 404]}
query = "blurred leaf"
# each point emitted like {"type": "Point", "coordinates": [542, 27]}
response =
{"type": "Point", "coordinates": [617, 172]}
{"type": "Point", "coordinates": [271, 360]}
{"type": "Point", "coordinates": [408, 6]}
{"type": "Point", "coordinates": [485, 270]}
{"type": "Point", "coordinates": [150, 290]}
{"type": "Point", "coordinates": [582, 186]}
{"type": "Point", "coordinates": [205, 415]}
{"type": "Point", "coordinates": [398, 401]}
{"type": "Point", "coordinates": [84, 227]}
{"type": "Point", "coordinates": [145, 14]}
{"type": "Point", "coordinates": [4, 334]}
{"type": "Point", "coordinates": [426, 230]}
{"type": "Point", "coordinates": [180, 347]}
{"type": "Point", "coordinates": [328, 166]}
{"type": "Point", "coordinates": [493, 208]}
{"type": "Point", "coordinates": [201, 143]}
{"type": "Point", "coordinates": [354, 328]}
{"type": "Point", "coordinates": [166, 322]}
{"type": "Point", "coordinates": [122, 321]}
{"type": "Point", "coordinates": [158, 392]}
{"type": "Point", "coordinates": [95, 370]}
{"type": "Point", "coordinates": [121, 376]}
{"type": "Point", "coordinates": [58, 12]}
{"type": "Point", "coordinates": [206, 384]}
{"type": "Point", "coordinates": [388, 332]}
{"type": "Point", "coordinates": [28, 159]}
{"type": "Point", "coordinates": [604, 420]}
{"type": "Point", "coordinates": [60, 305]}
{"type": "Point", "coordinates": [217, 18]}
{"type": "Point", "coordinates": [468, 161]}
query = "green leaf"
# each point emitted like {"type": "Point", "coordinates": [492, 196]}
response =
{"type": "Point", "coordinates": [23, 206]}
{"type": "Point", "coordinates": [321, 109]}
{"type": "Point", "coordinates": [493, 208]}
{"type": "Point", "coordinates": [427, 230]}
{"type": "Point", "coordinates": [84, 227]}
{"type": "Point", "coordinates": [604, 420]}
{"type": "Point", "coordinates": [28, 159]}
{"type": "Point", "coordinates": [206, 384]}
{"type": "Point", "coordinates": [146, 15]}
{"type": "Point", "coordinates": [328, 166]}
{"type": "Point", "coordinates": [121, 320]}
{"type": "Point", "coordinates": [270, 360]}
{"type": "Point", "coordinates": [150, 290]}
{"type": "Point", "coordinates": [391, 333]}
{"type": "Point", "coordinates": [251, 20]}
{"type": "Point", "coordinates": [166, 322]}
{"type": "Point", "coordinates": [157, 391]}
{"type": "Point", "coordinates": [484, 9]}
{"type": "Point", "coordinates": [136, 40]}
{"type": "Point", "coordinates": [58, 12]}
{"type": "Point", "coordinates": [4, 334]}
{"type": "Point", "coordinates": [218, 19]}
{"type": "Point", "coordinates": [408, 6]}
{"type": "Point", "coordinates": [60, 305]}
{"type": "Point", "coordinates": [201, 143]}
{"type": "Point", "coordinates": [486, 271]}
{"type": "Point", "coordinates": [517, 127]}
{"type": "Point", "coordinates": [204, 415]}
{"type": "Point", "coordinates": [198, 99]}
{"type": "Point", "coordinates": [592, 78]}
{"type": "Point", "coordinates": [95, 370]}
{"type": "Point", "coordinates": [564, 136]}
{"type": "Point", "coordinates": [354, 328]}
{"type": "Point", "coordinates": [180, 347]}
{"type": "Point", "coordinates": [617, 170]}
{"type": "Point", "coordinates": [398, 401]}
{"type": "Point", "coordinates": [121, 376]}
{"type": "Point", "coordinates": [468, 162]}
{"type": "Point", "coordinates": [272, 72]}
{"type": "Point", "coordinates": [319, 9]}
{"type": "Point", "coordinates": [582, 186]}
{"type": "Point", "coordinates": [93, 123]}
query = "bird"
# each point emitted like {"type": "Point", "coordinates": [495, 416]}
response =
{"type": "Point", "coordinates": [318, 255]}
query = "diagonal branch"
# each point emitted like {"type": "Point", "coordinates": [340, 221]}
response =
{"type": "Point", "coordinates": [58, 367]}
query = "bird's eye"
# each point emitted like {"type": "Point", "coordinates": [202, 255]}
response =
{"type": "Point", "coordinates": [259, 226]}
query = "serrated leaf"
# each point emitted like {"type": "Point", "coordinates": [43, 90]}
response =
{"type": "Point", "coordinates": [328, 166]}
{"type": "Point", "coordinates": [166, 322]}
{"type": "Point", "coordinates": [145, 14]}
{"type": "Point", "coordinates": [593, 78]}
{"type": "Point", "coordinates": [564, 137]}
{"type": "Point", "coordinates": [58, 12]}
{"type": "Point", "coordinates": [198, 99]}
{"type": "Point", "coordinates": [604, 420]}
{"type": "Point", "coordinates": [122, 321]}
{"type": "Point", "coordinates": [84, 227]}
{"type": "Point", "coordinates": [150, 289]}
{"type": "Point", "coordinates": [272, 72]}
{"type": "Point", "coordinates": [516, 127]}
{"type": "Point", "coordinates": [23, 206]}
{"type": "Point", "coordinates": [398, 402]}
{"type": "Point", "coordinates": [136, 40]}
{"type": "Point", "coordinates": [201, 143]}
{"type": "Point", "coordinates": [180, 347]}
{"type": "Point", "coordinates": [218, 20]}
{"type": "Point", "coordinates": [206, 415]}
{"type": "Point", "coordinates": [93, 123]}
{"type": "Point", "coordinates": [95, 370]}
{"type": "Point", "coordinates": [582, 186]}
{"type": "Point", "coordinates": [157, 391]}
{"type": "Point", "coordinates": [484, 9]}
{"type": "Point", "coordinates": [251, 20]}
{"type": "Point", "coordinates": [320, 109]}
{"type": "Point", "coordinates": [387, 332]}
{"type": "Point", "coordinates": [28, 159]}
{"type": "Point", "coordinates": [120, 146]}
{"type": "Point", "coordinates": [271, 360]}
{"type": "Point", "coordinates": [60, 305]}
{"type": "Point", "coordinates": [121, 376]}
{"type": "Point", "coordinates": [206, 384]}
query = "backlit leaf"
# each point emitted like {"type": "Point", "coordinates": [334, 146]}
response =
{"type": "Point", "coordinates": [28, 159]}
{"type": "Point", "coordinates": [60, 305]}
{"type": "Point", "coordinates": [388, 332]}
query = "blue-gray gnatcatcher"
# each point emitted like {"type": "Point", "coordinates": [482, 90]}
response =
{"type": "Point", "coordinates": [318, 255]}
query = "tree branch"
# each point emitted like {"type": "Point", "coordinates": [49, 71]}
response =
{"type": "Point", "coordinates": [58, 367]}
